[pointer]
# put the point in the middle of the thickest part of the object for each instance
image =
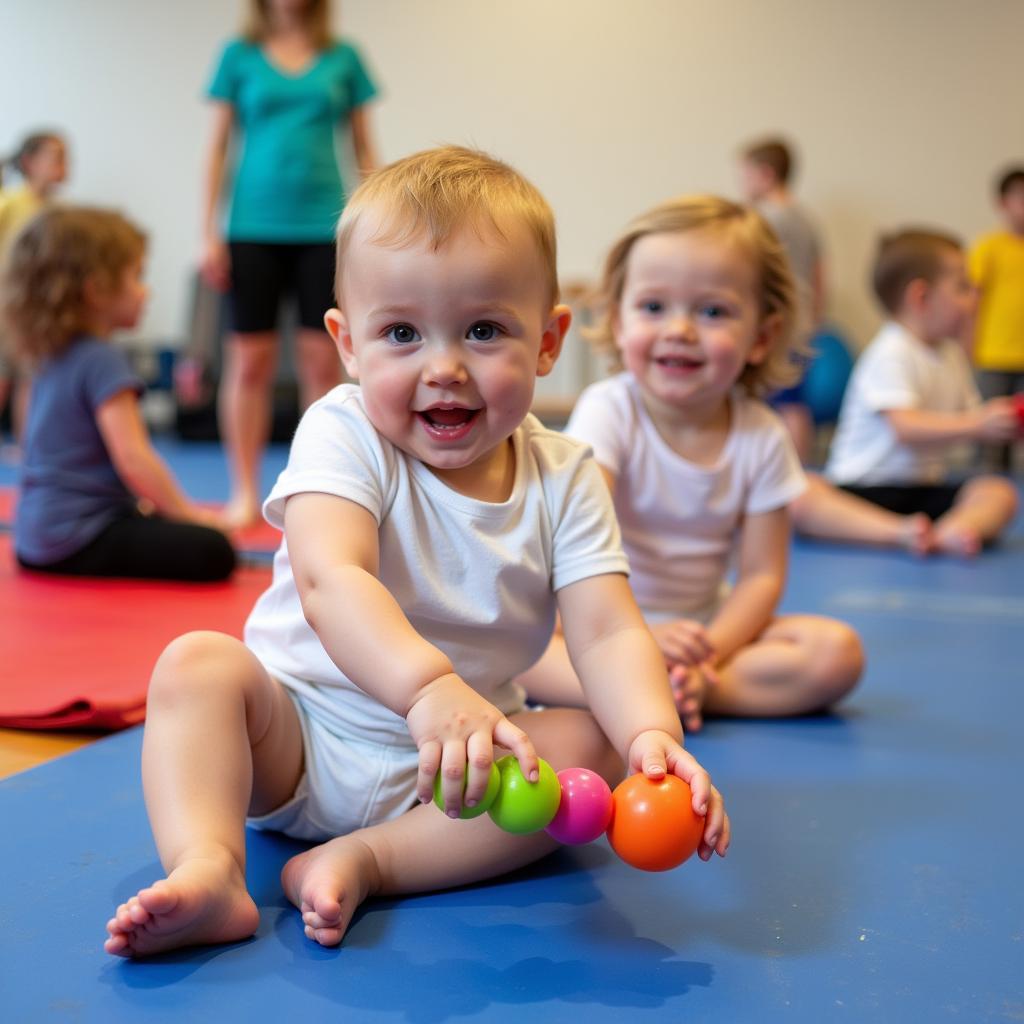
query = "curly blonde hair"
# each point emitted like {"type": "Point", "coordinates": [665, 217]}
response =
{"type": "Point", "coordinates": [45, 281]}
{"type": "Point", "coordinates": [750, 231]}
{"type": "Point", "coordinates": [435, 192]}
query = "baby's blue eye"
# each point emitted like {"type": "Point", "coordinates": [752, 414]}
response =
{"type": "Point", "coordinates": [402, 334]}
{"type": "Point", "coordinates": [713, 312]}
{"type": "Point", "coordinates": [483, 332]}
{"type": "Point", "coordinates": [651, 306]}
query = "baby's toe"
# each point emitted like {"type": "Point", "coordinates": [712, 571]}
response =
{"type": "Point", "coordinates": [117, 945]}
{"type": "Point", "coordinates": [324, 936]}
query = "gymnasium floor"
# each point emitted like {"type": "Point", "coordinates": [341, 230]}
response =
{"type": "Point", "coordinates": [874, 876]}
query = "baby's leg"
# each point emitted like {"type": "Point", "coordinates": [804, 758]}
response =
{"type": "Point", "coordinates": [423, 850]}
{"type": "Point", "coordinates": [552, 680]}
{"type": "Point", "coordinates": [983, 508]}
{"type": "Point", "coordinates": [800, 663]}
{"type": "Point", "coordinates": [222, 738]}
{"type": "Point", "coordinates": [828, 513]}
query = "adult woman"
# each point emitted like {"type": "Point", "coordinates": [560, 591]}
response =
{"type": "Point", "coordinates": [284, 88]}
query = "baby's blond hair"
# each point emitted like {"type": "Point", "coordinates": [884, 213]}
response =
{"type": "Point", "coordinates": [741, 225]}
{"type": "Point", "coordinates": [435, 192]}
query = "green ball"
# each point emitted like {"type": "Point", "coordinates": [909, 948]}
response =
{"type": "Point", "coordinates": [521, 806]}
{"type": "Point", "coordinates": [493, 785]}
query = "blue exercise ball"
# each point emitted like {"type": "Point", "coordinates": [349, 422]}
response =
{"type": "Point", "coordinates": [827, 376]}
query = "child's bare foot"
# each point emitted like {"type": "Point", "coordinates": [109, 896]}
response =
{"type": "Point", "coordinates": [917, 535]}
{"type": "Point", "coordinates": [327, 883]}
{"type": "Point", "coordinates": [957, 539]}
{"type": "Point", "coordinates": [241, 511]}
{"type": "Point", "coordinates": [689, 687]}
{"type": "Point", "coordinates": [202, 901]}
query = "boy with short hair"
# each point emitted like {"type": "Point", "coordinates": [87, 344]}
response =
{"type": "Point", "coordinates": [996, 264]}
{"type": "Point", "coordinates": [911, 400]}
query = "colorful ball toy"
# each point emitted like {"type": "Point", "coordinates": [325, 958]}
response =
{"type": "Point", "coordinates": [493, 785]}
{"type": "Point", "coordinates": [653, 825]}
{"type": "Point", "coordinates": [585, 808]}
{"type": "Point", "coordinates": [650, 823]}
{"type": "Point", "coordinates": [522, 806]}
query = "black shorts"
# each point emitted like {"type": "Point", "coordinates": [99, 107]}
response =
{"type": "Point", "coordinates": [263, 273]}
{"type": "Point", "coordinates": [934, 500]}
{"type": "Point", "coordinates": [150, 548]}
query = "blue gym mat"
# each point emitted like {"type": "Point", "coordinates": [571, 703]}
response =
{"type": "Point", "coordinates": [874, 874]}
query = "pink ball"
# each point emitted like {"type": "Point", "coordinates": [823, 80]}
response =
{"type": "Point", "coordinates": [585, 809]}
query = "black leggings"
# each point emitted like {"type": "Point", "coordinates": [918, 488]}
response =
{"type": "Point", "coordinates": [150, 548]}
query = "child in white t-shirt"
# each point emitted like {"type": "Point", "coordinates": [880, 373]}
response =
{"type": "Point", "coordinates": [432, 527]}
{"type": "Point", "coordinates": [699, 314]}
{"type": "Point", "coordinates": [911, 404]}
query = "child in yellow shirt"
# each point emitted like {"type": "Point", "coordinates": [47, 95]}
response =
{"type": "Point", "coordinates": [997, 267]}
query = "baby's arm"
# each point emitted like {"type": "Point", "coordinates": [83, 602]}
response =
{"type": "Point", "coordinates": [334, 550]}
{"type": "Point", "coordinates": [139, 465]}
{"type": "Point", "coordinates": [995, 420]}
{"type": "Point", "coordinates": [760, 579]}
{"type": "Point", "coordinates": [623, 677]}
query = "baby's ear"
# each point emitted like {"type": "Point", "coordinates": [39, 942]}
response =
{"type": "Point", "coordinates": [552, 338]}
{"type": "Point", "coordinates": [337, 327]}
{"type": "Point", "coordinates": [767, 337]}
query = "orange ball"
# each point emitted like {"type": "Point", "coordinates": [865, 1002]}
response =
{"type": "Point", "coordinates": [654, 826]}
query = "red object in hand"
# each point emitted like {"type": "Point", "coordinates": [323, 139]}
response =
{"type": "Point", "coordinates": [653, 825]}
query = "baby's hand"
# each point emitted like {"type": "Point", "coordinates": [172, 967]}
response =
{"type": "Point", "coordinates": [215, 518]}
{"type": "Point", "coordinates": [454, 726]}
{"type": "Point", "coordinates": [656, 753]}
{"type": "Point", "coordinates": [999, 420]}
{"type": "Point", "coordinates": [683, 642]}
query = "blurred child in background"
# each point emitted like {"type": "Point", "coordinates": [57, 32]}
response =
{"type": "Point", "coordinates": [96, 499]}
{"type": "Point", "coordinates": [996, 264]}
{"type": "Point", "coordinates": [41, 161]}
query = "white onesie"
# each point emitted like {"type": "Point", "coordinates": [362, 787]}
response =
{"type": "Point", "coordinates": [680, 520]}
{"type": "Point", "coordinates": [477, 579]}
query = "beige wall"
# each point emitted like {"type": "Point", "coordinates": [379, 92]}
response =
{"type": "Point", "coordinates": [902, 109]}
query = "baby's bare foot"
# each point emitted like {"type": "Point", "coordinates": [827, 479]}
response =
{"type": "Point", "coordinates": [327, 883]}
{"type": "Point", "coordinates": [917, 536]}
{"type": "Point", "coordinates": [689, 689]}
{"type": "Point", "coordinates": [958, 539]}
{"type": "Point", "coordinates": [202, 901]}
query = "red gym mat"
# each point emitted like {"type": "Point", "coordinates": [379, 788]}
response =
{"type": "Point", "coordinates": [78, 653]}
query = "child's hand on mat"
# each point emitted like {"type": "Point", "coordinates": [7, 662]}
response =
{"type": "Point", "coordinates": [656, 753]}
{"type": "Point", "coordinates": [453, 726]}
{"type": "Point", "coordinates": [215, 518]}
{"type": "Point", "coordinates": [683, 642]}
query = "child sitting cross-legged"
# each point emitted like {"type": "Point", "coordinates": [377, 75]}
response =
{"type": "Point", "coordinates": [910, 405]}
{"type": "Point", "coordinates": [699, 310]}
{"type": "Point", "coordinates": [432, 526]}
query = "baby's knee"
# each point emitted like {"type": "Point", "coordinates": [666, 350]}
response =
{"type": "Point", "coordinates": [838, 661]}
{"type": "Point", "coordinates": [193, 663]}
{"type": "Point", "coordinates": [997, 490]}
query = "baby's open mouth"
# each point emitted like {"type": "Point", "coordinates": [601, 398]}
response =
{"type": "Point", "coordinates": [448, 419]}
{"type": "Point", "coordinates": [679, 362]}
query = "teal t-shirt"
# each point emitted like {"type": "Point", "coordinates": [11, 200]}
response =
{"type": "Point", "coordinates": [288, 186]}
